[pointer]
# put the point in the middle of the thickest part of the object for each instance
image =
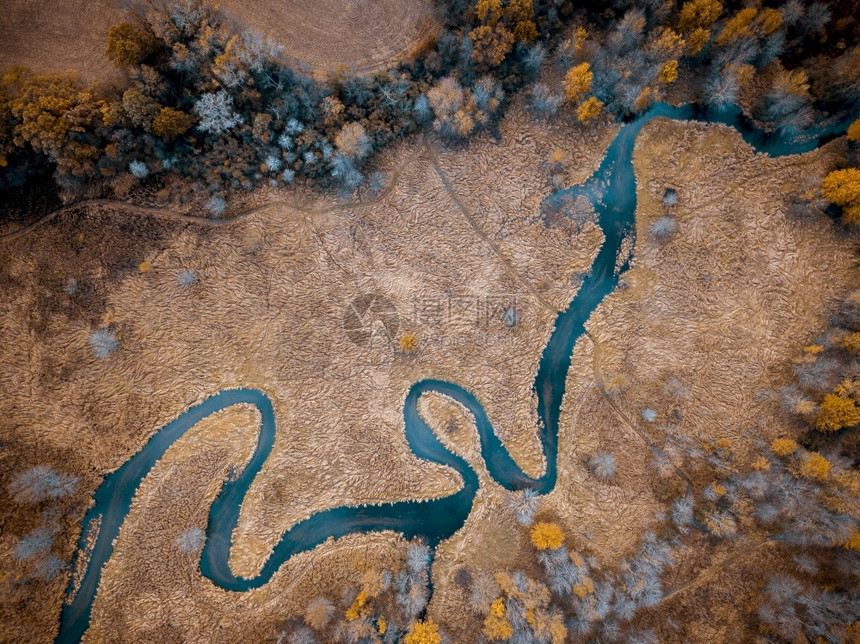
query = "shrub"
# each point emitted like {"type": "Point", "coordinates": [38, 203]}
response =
{"type": "Point", "coordinates": [41, 483]}
{"type": "Point", "coordinates": [318, 613]}
{"type": "Point", "coordinates": [216, 206]}
{"type": "Point", "coordinates": [784, 446]}
{"type": "Point", "coordinates": [408, 342]}
{"type": "Point", "coordinates": [663, 229]}
{"type": "Point", "coordinates": [191, 540]}
{"type": "Point", "coordinates": [186, 277]}
{"type": "Point", "coordinates": [546, 536]}
{"type": "Point", "coordinates": [670, 197]}
{"type": "Point", "coordinates": [138, 169]}
{"type": "Point", "coordinates": [103, 343]}
{"type": "Point", "coordinates": [34, 544]}
{"type": "Point", "coordinates": [602, 465]}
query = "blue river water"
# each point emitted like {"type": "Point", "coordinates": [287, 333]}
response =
{"type": "Point", "coordinates": [612, 191]}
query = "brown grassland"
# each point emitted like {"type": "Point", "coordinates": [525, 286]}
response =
{"type": "Point", "coordinates": [721, 308]}
{"type": "Point", "coordinates": [363, 35]}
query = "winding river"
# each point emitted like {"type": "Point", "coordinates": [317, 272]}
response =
{"type": "Point", "coordinates": [612, 191]}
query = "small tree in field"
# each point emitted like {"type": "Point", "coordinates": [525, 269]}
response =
{"type": "Point", "coordinates": [546, 536]}
{"type": "Point", "coordinates": [408, 342]}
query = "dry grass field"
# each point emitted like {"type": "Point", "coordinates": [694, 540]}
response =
{"type": "Point", "coordinates": [722, 307]}
{"type": "Point", "coordinates": [324, 34]}
{"type": "Point", "coordinates": [63, 35]}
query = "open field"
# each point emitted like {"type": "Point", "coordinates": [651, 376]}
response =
{"type": "Point", "coordinates": [722, 308]}
{"type": "Point", "coordinates": [327, 35]}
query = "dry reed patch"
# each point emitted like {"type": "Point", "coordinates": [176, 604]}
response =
{"type": "Point", "coordinates": [502, 183]}
{"type": "Point", "coordinates": [704, 327]}
{"type": "Point", "coordinates": [604, 515]}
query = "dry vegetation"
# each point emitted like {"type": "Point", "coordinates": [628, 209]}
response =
{"type": "Point", "coordinates": [722, 307]}
{"type": "Point", "coordinates": [361, 35]}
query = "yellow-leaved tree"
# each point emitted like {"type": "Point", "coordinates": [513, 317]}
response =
{"type": "Point", "coordinates": [546, 536]}
{"type": "Point", "coordinates": [589, 109]}
{"type": "Point", "coordinates": [668, 72]}
{"type": "Point", "coordinates": [58, 118]}
{"type": "Point", "coordinates": [699, 14]}
{"type": "Point", "coordinates": [853, 133]}
{"type": "Point", "coordinates": [577, 82]}
{"type": "Point", "coordinates": [842, 187]}
{"type": "Point", "coordinates": [836, 412]}
{"type": "Point", "coordinates": [423, 632]}
{"type": "Point", "coordinates": [497, 628]}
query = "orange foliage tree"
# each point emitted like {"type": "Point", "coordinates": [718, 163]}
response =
{"type": "Point", "coordinates": [496, 627]}
{"type": "Point", "coordinates": [853, 133]}
{"type": "Point", "coordinates": [835, 413]}
{"type": "Point", "coordinates": [589, 109]}
{"type": "Point", "coordinates": [171, 123]}
{"type": "Point", "coordinates": [577, 82]}
{"type": "Point", "coordinates": [58, 118]}
{"type": "Point", "coordinates": [423, 632]}
{"type": "Point", "coordinates": [546, 536]}
{"type": "Point", "coordinates": [127, 45]}
{"type": "Point", "coordinates": [491, 44]}
{"type": "Point", "coordinates": [842, 187]}
{"type": "Point", "coordinates": [668, 72]}
{"type": "Point", "coordinates": [699, 14]}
